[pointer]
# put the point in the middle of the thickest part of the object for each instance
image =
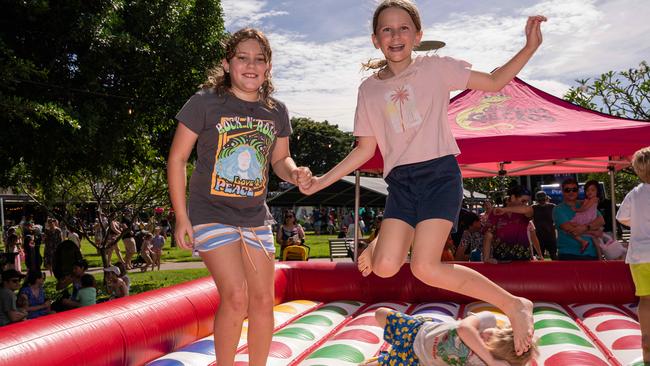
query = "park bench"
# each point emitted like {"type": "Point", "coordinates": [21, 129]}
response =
{"type": "Point", "coordinates": [340, 248]}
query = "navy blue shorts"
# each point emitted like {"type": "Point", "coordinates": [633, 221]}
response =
{"type": "Point", "coordinates": [431, 189]}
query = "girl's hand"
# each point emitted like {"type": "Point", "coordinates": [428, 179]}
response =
{"type": "Point", "coordinates": [534, 31]}
{"type": "Point", "coordinates": [184, 227]}
{"type": "Point", "coordinates": [312, 187]}
{"type": "Point", "coordinates": [302, 176]}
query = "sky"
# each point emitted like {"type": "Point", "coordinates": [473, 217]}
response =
{"type": "Point", "coordinates": [319, 46]}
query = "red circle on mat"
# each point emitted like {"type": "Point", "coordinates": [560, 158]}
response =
{"type": "Point", "coordinates": [600, 311]}
{"type": "Point", "coordinates": [617, 324]}
{"type": "Point", "coordinates": [627, 342]}
{"type": "Point", "coordinates": [366, 320]}
{"type": "Point", "coordinates": [361, 335]}
{"type": "Point", "coordinates": [574, 358]}
{"type": "Point", "coordinates": [278, 350]}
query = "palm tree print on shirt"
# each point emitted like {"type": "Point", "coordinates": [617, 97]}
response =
{"type": "Point", "coordinates": [401, 96]}
{"type": "Point", "coordinates": [401, 108]}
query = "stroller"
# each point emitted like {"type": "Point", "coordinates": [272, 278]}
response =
{"type": "Point", "coordinates": [295, 251]}
{"type": "Point", "coordinates": [138, 262]}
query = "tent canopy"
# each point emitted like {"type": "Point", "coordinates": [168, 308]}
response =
{"type": "Point", "coordinates": [522, 130]}
{"type": "Point", "coordinates": [341, 193]}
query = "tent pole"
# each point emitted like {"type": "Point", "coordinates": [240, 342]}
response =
{"type": "Point", "coordinates": [612, 172]}
{"type": "Point", "coordinates": [357, 199]}
{"type": "Point", "coordinates": [2, 215]}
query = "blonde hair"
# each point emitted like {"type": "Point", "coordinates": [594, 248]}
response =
{"type": "Point", "coordinates": [502, 346]}
{"type": "Point", "coordinates": [641, 164]}
{"type": "Point", "coordinates": [405, 5]}
{"type": "Point", "coordinates": [219, 80]}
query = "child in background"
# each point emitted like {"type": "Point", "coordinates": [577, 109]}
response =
{"type": "Point", "coordinates": [157, 244]}
{"type": "Point", "coordinates": [87, 294]}
{"type": "Point", "coordinates": [475, 340]}
{"type": "Point", "coordinates": [635, 213]}
{"type": "Point", "coordinates": [146, 251]}
{"type": "Point", "coordinates": [22, 303]}
{"type": "Point", "coordinates": [402, 109]}
{"type": "Point", "coordinates": [586, 213]}
{"type": "Point", "coordinates": [124, 275]}
{"type": "Point", "coordinates": [114, 284]}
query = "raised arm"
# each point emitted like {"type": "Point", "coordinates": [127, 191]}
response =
{"type": "Point", "coordinates": [524, 210]}
{"type": "Point", "coordinates": [468, 331]}
{"type": "Point", "coordinates": [496, 80]}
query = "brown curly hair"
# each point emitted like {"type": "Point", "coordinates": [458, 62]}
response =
{"type": "Point", "coordinates": [405, 5]}
{"type": "Point", "coordinates": [219, 80]}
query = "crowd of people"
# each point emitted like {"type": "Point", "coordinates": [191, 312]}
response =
{"type": "Point", "coordinates": [518, 230]}
{"type": "Point", "coordinates": [33, 250]}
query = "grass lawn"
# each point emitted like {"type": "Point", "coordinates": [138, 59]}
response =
{"type": "Point", "coordinates": [318, 244]}
{"type": "Point", "coordinates": [140, 281]}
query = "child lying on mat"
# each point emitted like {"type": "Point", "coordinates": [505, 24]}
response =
{"type": "Point", "coordinates": [475, 340]}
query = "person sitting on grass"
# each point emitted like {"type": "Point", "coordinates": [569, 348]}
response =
{"type": "Point", "coordinates": [114, 284]}
{"type": "Point", "coordinates": [87, 294]}
{"type": "Point", "coordinates": [475, 340]}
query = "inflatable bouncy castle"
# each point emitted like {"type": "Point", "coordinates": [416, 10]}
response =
{"type": "Point", "coordinates": [585, 314]}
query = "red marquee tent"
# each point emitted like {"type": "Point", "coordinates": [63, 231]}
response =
{"type": "Point", "coordinates": [522, 130]}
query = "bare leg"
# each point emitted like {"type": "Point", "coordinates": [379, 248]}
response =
{"type": "Point", "coordinates": [644, 319]}
{"type": "Point", "coordinates": [260, 305]}
{"type": "Point", "coordinates": [430, 237]}
{"type": "Point", "coordinates": [385, 255]}
{"type": "Point", "coordinates": [227, 269]}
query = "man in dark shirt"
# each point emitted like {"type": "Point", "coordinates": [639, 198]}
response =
{"type": "Point", "coordinates": [544, 226]}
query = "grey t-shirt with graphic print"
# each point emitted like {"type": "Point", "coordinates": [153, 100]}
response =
{"type": "Point", "coordinates": [438, 344]}
{"type": "Point", "coordinates": [236, 138]}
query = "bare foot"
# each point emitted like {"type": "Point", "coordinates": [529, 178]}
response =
{"type": "Point", "coordinates": [364, 262]}
{"type": "Point", "coordinates": [521, 320]}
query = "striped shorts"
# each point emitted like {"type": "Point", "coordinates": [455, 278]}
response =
{"type": "Point", "coordinates": [214, 235]}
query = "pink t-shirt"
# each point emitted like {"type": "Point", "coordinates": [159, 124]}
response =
{"type": "Point", "coordinates": [407, 113]}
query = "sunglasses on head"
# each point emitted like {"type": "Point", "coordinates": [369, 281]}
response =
{"type": "Point", "coordinates": [574, 190]}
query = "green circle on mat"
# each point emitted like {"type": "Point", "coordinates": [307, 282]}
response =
{"type": "Point", "coordinates": [335, 309]}
{"type": "Point", "coordinates": [350, 302]}
{"type": "Point", "coordinates": [548, 310]}
{"type": "Point", "coordinates": [297, 333]}
{"type": "Point", "coordinates": [563, 338]}
{"type": "Point", "coordinates": [554, 323]}
{"type": "Point", "coordinates": [340, 352]}
{"type": "Point", "coordinates": [314, 320]}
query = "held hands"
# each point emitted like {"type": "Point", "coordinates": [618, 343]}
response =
{"type": "Point", "coordinates": [302, 177]}
{"type": "Point", "coordinates": [534, 31]}
{"type": "Point", "coordinates": [311, 188]}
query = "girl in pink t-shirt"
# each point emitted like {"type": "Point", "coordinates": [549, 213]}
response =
{"type": "Point", "coordinates": [402, 109]}
{"type": "Point", "coordinates": [586, 214]}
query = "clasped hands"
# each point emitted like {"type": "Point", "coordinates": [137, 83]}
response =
{"type": "Point", "coordinates": [306, 182]}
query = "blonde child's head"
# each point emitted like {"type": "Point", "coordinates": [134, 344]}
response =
{"type": "Point", "coordinates": [406, 5]}
{"type": "Point", "coordinates": [501, 343]}
{"type": "Point", "coordinates": [641, 164]}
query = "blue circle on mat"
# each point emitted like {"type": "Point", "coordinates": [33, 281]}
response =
{"type": "Point", "coordinates": [166, 362]}
{"type": "Point", "coordinates": [205, 347]}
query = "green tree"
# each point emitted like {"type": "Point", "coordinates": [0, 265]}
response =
{"type": "Point", "coordinates": [318, 145]}
{"type": "Point", "coordinates": [92, 86]}
{"type": "Point", "coordinates": [624, 94]}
